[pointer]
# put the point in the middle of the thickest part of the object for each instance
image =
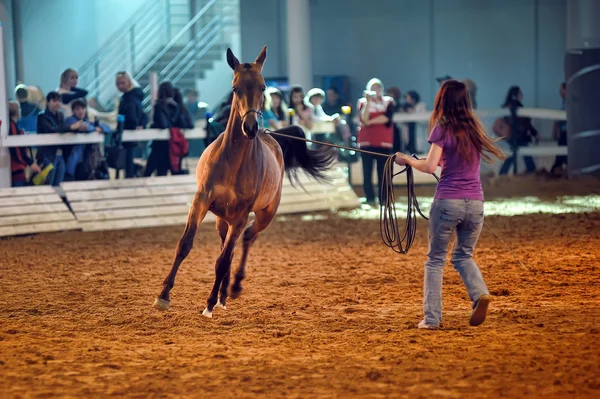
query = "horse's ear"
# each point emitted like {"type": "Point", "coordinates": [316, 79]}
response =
{"type": "Point", "coordinates": [260, 60]}
{"type": "Point", "coordinates": [231, 59]}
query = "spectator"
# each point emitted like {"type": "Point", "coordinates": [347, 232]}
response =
{"type": "Point", "coordinates": [29, 111]}
{"type": "Point", "coordinates": [559, 133]}
{"type": "Point", "coordinates": [396, 94]}
{"type": "Point", "coordinates": [20, 158]}
{"type": "Point", "coordinates": [274, 103]}
{"type": "Point", "coordinates": [51, 121]}
{"type": "Point", "coordinates": [130, 106]}
{"type": "Point", "coordinates": [185, 118]}
{"type": "Point", "coordinates": [417, 135]}
{"type": "Point", "coordinates": [78, 122]}
{"type": "Point", "coordinates": [69, 91]}
{"type": "Point", "coordinates": [522, 129]}
{"type": "Point", "coordinates": [303, 112]}
{"type": "Point", "coordinates": [333, 103]}
{"type": "Point", "coordinates": [166, 115]}
{"type": "Point", "coordinates": [196, 109]}
{"type": "Point", "coordinates": [36, 97]}
{"type": "Point", "coordinates": [375, 134]}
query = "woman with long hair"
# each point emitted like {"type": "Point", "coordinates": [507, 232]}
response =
{"type": "Point", "coordinates": [303, 113]}
{"type": "Point", "coordinates": [166, 115]}
{"type": "Point", "coordinates": [274, 104]}
{"type": "Point", "coordinates": [458, 142]}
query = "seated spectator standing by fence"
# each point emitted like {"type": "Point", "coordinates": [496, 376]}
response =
{"type": "Point", "coordinates": [51, 121]}
{"type": "Point", "coordinates": [315, 98]}
{"type": "Point", "coordinates": [78, 122]}
{"type": "Point", "coordinates": [29, 111]}
{"type": "Point", "coordinates": [166, 115]}
{"type": "Point", "coordinates": [130, 106]}
{"type": "Point", "coordinates": [20, 158]}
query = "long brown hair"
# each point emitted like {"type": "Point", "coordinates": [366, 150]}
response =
{"type": "Point", "coordinates": [453, 111]}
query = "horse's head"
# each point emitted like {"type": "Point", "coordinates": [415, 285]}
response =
{"type": "Point", "coordinates": [248, 88]}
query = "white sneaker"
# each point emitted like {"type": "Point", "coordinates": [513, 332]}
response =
{"type": "Point", "coordinates": [425, 326]}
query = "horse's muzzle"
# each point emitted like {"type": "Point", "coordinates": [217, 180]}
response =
{"type": "Point", "coordinates": [250, 128]}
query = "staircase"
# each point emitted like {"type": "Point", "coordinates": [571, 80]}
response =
{"type": "Point", "coordinates": [178, 40]}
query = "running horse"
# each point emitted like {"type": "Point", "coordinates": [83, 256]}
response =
{"type": "Point", "coordinates": [241, 172]}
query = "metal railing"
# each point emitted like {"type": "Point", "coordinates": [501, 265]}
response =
{"type": "Point", "coordinates": [148, 40]}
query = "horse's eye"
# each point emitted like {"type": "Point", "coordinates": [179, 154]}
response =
{"type": "Point", "coordinates": [234, 89]}
{"type": "Point", "coordinates": [264, 88]}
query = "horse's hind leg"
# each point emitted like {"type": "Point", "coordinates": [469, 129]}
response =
{"type": "Point", "coordinates": [196, 215]}
{"type": "Point", "coordinates": [264, 217]}
{"type": "Point", "coordinates": [223, 263]}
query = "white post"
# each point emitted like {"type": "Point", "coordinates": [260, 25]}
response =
{"type": "Point", "coordinates": [298, 41]}
{"type": "Point", "coordinates": [5, 174]}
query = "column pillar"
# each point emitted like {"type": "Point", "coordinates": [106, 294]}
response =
{"type": "Point", "coordinates": [582, 74]}
{"type": "Point", "coordinates": [298, 43]}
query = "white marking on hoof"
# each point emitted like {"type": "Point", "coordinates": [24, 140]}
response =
{"type": "Point", "coordinates": [207, 313]}
{"type": "Point", "coordinates": [220, 306]}
{"type": "Point", "coordinates": [161, 304]}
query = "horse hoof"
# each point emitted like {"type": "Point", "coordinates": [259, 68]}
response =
{"type": "Point", "coordinates": [161, 304]}
{"type": "Point", "coordinates": [235, 292]}
{"type": "Point", "coordinates": [220, 306]}
{"type": "Point", "coordinates": [207, 313]}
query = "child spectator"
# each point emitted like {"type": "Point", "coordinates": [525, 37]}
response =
{"type": "Point", "coordinates": [78, 122]}
{"type": "Point", "coordinates": [20, 158]}
{"type": "Point", "coordinates": [52, 121]}
{"type": "Point", "coordinates": [197, 109]}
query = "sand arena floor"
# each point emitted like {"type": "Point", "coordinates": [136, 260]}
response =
{"type": "Point", "coordinates": [327, 311]}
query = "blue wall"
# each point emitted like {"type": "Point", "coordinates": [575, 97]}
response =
{"type": "Point", "coordinates": [407, 43]}
{"type": "Point", "coordinates": [60, 34]}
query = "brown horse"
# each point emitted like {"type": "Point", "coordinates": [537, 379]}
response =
{"type": "Point", "coordinates": [241, 172]}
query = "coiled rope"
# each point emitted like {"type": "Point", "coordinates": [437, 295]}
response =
{"type": "Point", "coordinates": [391, 235]}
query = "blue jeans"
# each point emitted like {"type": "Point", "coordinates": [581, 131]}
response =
{"type": "Point", "coordinates": [75, 157]}
{"type": "Point", "coordinates": [446, 216]}
{"type": "Point", "coordinates": [56, 175]}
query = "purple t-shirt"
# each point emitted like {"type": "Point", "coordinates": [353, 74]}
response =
{"type": "Point", "coordinates": [460, 179]}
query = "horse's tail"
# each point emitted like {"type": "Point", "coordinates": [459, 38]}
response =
{"type": "Point", "coordinates": [296, 155]}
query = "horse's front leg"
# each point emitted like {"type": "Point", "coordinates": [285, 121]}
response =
{"type": "Point", "coordinates": [196, 214]}
{"type": "Point", "coordinates": [223, 263]}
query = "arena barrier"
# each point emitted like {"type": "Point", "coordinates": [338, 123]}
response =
{"type": "Point", "coordinates": [163, 201]}
{"type": "Point", "coordinates": [37, 209]}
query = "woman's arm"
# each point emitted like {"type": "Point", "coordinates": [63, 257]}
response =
{"type": "Point", "coordinates": [364, 110]}
{"type": "Point", "coordinates": [427, 165]}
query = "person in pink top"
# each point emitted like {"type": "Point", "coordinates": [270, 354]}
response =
{"type": "Point", "coordinates": [458, 142]}
{"type": "Point", "coordinates": [375, 133]}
